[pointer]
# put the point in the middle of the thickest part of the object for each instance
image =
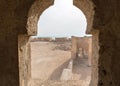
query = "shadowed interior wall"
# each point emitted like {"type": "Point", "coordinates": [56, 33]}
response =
{"type": "Point", "coordinates": [106, 19]}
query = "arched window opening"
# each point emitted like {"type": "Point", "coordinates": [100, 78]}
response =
{"type": "Point", "coordinates": [62, 50]}
{"type": "Point", "coordinates": [62, 20]}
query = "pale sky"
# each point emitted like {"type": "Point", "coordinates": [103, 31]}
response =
{"type": "Point", "coordinates": [62, 20]}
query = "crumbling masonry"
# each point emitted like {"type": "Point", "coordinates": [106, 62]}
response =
{"type": "Point", "coordinates": [18, 21]}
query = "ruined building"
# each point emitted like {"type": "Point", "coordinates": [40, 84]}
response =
{"type": "Point", "coordinates": [82, 47]}
{"type": "Point", "coordinates": [18, 21]}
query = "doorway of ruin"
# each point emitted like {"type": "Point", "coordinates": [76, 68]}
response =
{"type": "Point", "coordinates": [33, 16]}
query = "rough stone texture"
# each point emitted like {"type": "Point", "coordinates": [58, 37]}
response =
{"type": "Point", "coordinates": [107, 20]}
{"type": "Point", "coordinates": [21, 16]}
{"type": "Point", "coordinates": [87, 7]}
{"type": "Point", "coordinates": [95, 58]}
{"type": "Point", "coordinates": [24, 60]}
{"type": "Point", "coordinates": [35, 11]}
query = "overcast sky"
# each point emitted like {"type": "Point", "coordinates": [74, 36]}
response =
{"type": "Point", "coordinates": [62, 20]}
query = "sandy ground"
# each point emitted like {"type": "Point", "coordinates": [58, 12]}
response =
{"type": "Point", "coordinates": [49, 59]}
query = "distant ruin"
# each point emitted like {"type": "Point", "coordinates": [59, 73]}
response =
{"type": "Point", "coordinates": [82, 47]}
{"type": "Point", "coordinates": [50, 39]}
{"type": "Point", "coordinates": [40, 39]}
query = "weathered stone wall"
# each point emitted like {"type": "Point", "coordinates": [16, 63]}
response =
{"type": "Point", "coordinates": [95, 58]}
{"type": "Point", "coordinates": [13, 21]}
{"type": "Point", "coordinates": [107, 17]}
{"type": "Point", "coordinates": [33, 13]}
{"type": "Point", "coordinates": [85, 43]}
{"type": "Point", "coordinates": [87, 7]}
{"type": "Point", "coordinates": [24, 60]}
{"type": "Point", "coordinates": [18, 17]}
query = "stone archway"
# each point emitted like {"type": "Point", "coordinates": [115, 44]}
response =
{"type": "Point", "coordinates": [13, 18]}
{"type": "Point", "coordinates": [87, 8]}
{"type": "Point", "coordinates": [23, 40]}
{"type": "Point", "coordinates": [33, 15]}
{"type": "Point", "coordinates": [39, 6]}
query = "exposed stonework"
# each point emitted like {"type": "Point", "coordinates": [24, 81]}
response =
{"type": "Point", "coordinates": [24, 60]}
{"type": "Point", "coordinates": [20, 16]}
{"type": "Point", "coordinates": [87, 8]}
{"type": "Point", "coordinates": [95, 58]}
{"type": "Point", "coordinates": [34, 13]}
